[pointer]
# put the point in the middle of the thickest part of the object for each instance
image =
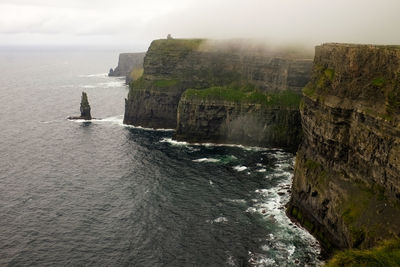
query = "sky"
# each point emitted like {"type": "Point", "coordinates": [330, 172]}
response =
{"type": "Point", "coordinates": [134, 23]}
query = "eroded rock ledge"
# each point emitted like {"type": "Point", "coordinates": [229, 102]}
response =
{"type": "Point", "coordinates": [346, 187]}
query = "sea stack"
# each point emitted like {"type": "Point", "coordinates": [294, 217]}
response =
{"type": "Point", "coordinates": [85, 107]}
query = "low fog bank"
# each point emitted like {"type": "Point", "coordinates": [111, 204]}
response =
{"type": "Point", "coordinates": [258, 47]}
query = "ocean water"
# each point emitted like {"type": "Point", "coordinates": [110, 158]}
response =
{"type": "Point", "coordinates": [100, 193]}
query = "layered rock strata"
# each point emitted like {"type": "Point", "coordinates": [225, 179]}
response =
{"type": "Point", "coordinates": [346, 187]}
{"type": "Point", "coordinates": [173, 66]}
{"type": "Point", "coordinates": [258, 123]}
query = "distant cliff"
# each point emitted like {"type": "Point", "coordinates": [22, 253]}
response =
{"type": "Point", "coordinates": [346, 187]}
{"type": "Point", "coordinates": [127, 62]}
{"type": "Point", "coordinates": [173, 66]}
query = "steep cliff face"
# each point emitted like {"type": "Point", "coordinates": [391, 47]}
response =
{"type": "Point", "coordinates": [261, 120]}
{"type": "Point", "coordinates": [126, 63]}
{"type": "Point", "coordinates": [346, 187]}
{"type": "Point", "coordinates": [174, 65]}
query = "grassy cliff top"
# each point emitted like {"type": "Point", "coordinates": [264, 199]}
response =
{"type": "Point", "coordinates": [176, 44]}
{"type": "Point", "coordinates": [366, 77]}
{"type": "Point", "coordinates": [245, 94]}
{"type": "Point", "coordinates": [387, 254]}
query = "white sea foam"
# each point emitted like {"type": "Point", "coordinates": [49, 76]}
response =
{"type": "Point", "coordinates": [148, 129]}
{"type": "Point", "coordinates": [241, 201]}
{"type": "Point", "coordinates": [240, 168]}
{"type": "Point", "coordinates": [264, 261]}
{"type": "Point", "coordinates": [206, 160]}
{"type": "Point", "coordinates": [174, 142]}
{"type": "Point", "coordinates": [95, 75]}
{"type": "Point", "coordinates": [89, 86]}
{"type": "Point", "coordinates": [118, 120]}
{"type": "Point", "coordinates": [80, 120]}
{"type": "Point", "coordinates": [265, 247]}
{"type": "Point", "coordinates": [220, 219]}
{"type": "Point", "coordinates": [271, 204]}
{"type": "Point", "coordinates": [291, 249]}
{"type": "Point", "coordinates": [110, 84]}
{"type": "Point", "coordinates": [183, 143]}
{"type": "Point", "coordinates": [47, 122]}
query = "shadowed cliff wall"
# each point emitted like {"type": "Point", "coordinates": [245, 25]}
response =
{"type": "Point", "coordinates": [346, 187]}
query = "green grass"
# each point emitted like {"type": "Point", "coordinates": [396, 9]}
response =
{"type": "Point", "coordinates": [386, 254]}
{"type": "Point", "coordinates": [141, 83]}
{"type": "Point", "coordinates": [356, 204]}
{"type": "Point", "coordinates": [165, 83]}
{"type": "Point", "coordinates": [301, 105]}
{"type": "Point", "coordinates": [176, 44]}
{"type": "Point", "coordinates": [321, 82]}
{"type": "Point", "coordinates": [309, 91]}
{"type": "Point", "coordinates": [246, 94]}
{"type": "Point", "coordinates": [379, 82]}
{"type": "Point", "coordinates": [312, 165]}
{"type": "Point", "coordinates": [330, 74]}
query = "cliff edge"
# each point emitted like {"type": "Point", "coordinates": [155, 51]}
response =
{"type": "Point", "coordinates": [179, 84]}
{"type": "Point", "coordinates": [346, 187]}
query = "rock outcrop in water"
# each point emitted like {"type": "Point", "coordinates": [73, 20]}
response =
{"type": "Point", "coordinates": [346, 187]}
{"type": "Point", "coordinates": [173, 66]}
{"type": "Point", "coordinates": [128, 62]}
{"type": "Point", "coordinates": [85, 109]}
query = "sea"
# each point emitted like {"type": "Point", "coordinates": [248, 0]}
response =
{"type": "Point", "coordinates": [101, 193]}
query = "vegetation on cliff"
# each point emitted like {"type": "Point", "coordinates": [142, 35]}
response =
{"type": "Point", "coordinates": [347, 169]}
{"type": "Point", "coordinates": [250, 96]}
{"type": "Point", "coordinates": [246, 94]}
{"type": "Point", "coordinates": [386, 254]}
{"type": "Point", "coordinates": [378, 92]}
{"type": "Point", "coordinates": [163, 45]}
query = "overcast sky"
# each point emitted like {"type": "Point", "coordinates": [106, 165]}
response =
{"type": "Point", "coordinates": [124, 23]}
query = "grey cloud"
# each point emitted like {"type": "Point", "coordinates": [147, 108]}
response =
{"type": "Point", "coordinates": [301, 21]}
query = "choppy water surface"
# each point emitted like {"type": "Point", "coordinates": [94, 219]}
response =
{"type": "Point", "coordinates": [104, 194]}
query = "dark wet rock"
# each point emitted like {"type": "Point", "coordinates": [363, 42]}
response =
{"type": "Point", "coordinates": [85, 109]}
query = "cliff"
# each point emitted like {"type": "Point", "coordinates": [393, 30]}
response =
{"type": "Point", "coordinates": [229, 115]}
{"type": "Point", "coordinates": [346, 187]}
{"type": "Point", "coordinates": [127, 62]}
{"type": "Point", "coordinates": [172, 66]}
